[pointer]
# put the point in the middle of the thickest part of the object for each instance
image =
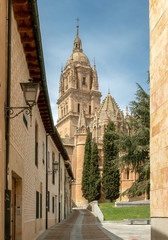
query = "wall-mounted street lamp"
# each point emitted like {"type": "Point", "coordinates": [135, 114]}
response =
{"type": "Point", "coordinates": [73, 180]}
{"type": "Point", "coordinates": [67, 162]}
{"type": "Point", "coordinates": [31, 93]}
{"type": "Point", "coordinates": [55, 167]}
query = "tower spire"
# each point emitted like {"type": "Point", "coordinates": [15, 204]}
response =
{"type": "Point", "coordinates": [77, 43]}
{"type": "Point", "coordinates": [81, 122]}
{"type": "Point", "coordinates": [94, 64]}
{"type": "Point", "coordinates": [95, 85]}
{"type": "Point", "coordinates": [77, 33]}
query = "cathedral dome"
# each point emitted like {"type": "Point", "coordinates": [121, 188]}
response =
{"type": "Point", "coordinates": [78, 57]}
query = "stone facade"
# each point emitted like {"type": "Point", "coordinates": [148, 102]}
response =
{"type": "Point", "coordinates": [34, 144]}
{"type": "Point", "coordinates": [3, 40]}
{"type": "Point", "coordinates": [80, 111]}
{"type": "Point", "coordinates": [159, 118]}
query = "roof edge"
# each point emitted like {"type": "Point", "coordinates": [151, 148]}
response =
{"type": "Point", "coordinates": [37, 34]}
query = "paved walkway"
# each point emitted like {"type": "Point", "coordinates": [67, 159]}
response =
{"type": "Point", "coordinates": [83, 225]}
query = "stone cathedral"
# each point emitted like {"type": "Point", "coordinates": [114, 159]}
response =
{"type": "Point", "coordinates": [80, 111]}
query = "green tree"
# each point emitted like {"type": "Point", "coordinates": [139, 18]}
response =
{"type": "Point", "coordinates": [86, 167]}
{"type": "Point", "coordinates": [134, 143]}
{"type": "Point", "coordinates": [111, 175]}
{"type": "Point", "coordinates": [94, 179]}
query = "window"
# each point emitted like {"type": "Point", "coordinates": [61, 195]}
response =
{"type": "Point", "coordinates": [127, 173]}
{"type": "Point", "coordinates": [78, 108]}
{"type": "Point", "coordinates": [84, 80]}
{"type": "Point", "coordinates": [43, 153]}
{"type": "Point", "coordinates": [37, 204]}
{"type": "Point", "coordinates": [89, 109]}
{"type": "Point", "coordinates": [40, 205]}
{"type": "Point", "coordinates": [53, 173]}
{"type": "Point", "coordinates": [36, 145]}
{"type": "Point", "coordinates": [53, 204]}
{"type": "Point", "coordinates": [48, 201]}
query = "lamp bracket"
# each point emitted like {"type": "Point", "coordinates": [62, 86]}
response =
{"type": "Point", "coordinates": [11, 112]}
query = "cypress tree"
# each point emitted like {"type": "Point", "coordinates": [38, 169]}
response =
{"type": "Point", "coordinates": [94, 180]}
{"type": "Point", "coordinates": [86, 167]}
{"type": "Point", "coordinates": [135, 143]}
{"type": "Point", "coordinates": [111, 175]}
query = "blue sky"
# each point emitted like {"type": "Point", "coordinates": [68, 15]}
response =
{"type": "Point", "coordinates": [115, 32]}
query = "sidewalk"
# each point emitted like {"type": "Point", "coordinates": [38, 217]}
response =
{"type": "Point", "coordinates": [83, 225]}
{"type": "Point", "coordinates": [128, 232]}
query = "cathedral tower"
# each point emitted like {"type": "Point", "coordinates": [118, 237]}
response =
{"type": "Point", "coordinates": [79, 90]}
{"type": "Point", "coordinates": [79, 98]}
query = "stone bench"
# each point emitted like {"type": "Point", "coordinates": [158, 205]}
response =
{"type": "Point", "coordinates": [132, 204]}
{"type": "Point", "coordinates": [138, 221]}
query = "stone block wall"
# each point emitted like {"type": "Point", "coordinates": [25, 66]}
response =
{"type": "Point", "coordinates": [29, 177]}
{"type": "Point", "coordinates": [3, 41]}
{"type": "Point", "coordinates": [159, 117]}
{"type": "Point", "coordinates": [22, 165]}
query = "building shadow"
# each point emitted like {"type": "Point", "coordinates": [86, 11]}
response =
{"type": "Point", "coordinates": [112, 236]}
{"type": "Point", "coordinates": [157, 235]}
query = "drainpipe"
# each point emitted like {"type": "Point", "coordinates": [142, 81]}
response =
{"type": "Point", "coordinates": [7, 130]}
{"type": "Point", "coordinates": [47, 135]}
{"type": "Point", "coordinates": [71, 196]}
{"type": "Point", "coordinates": [64, 193]}
{"type": "Point", "coordinates": [59, 193]}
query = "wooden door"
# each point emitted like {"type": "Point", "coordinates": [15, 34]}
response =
{"type": "Point", "coordinates": [13, 208]}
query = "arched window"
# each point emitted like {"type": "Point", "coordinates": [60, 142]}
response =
{"type": "Point", "coordinates": [127, 173]}
{"type": "Point", "coordinates": [89, 110]}
{"type": "Point", "coordinates": [84, 80]}
{"type": "Point", "coordinates": [78, 108]}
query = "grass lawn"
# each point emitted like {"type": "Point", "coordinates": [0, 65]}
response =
{"type": "Point", "coordinates": [111, 212]}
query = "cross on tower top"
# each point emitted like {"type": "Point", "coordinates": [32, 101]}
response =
{"type": "Point", "coordinates": [77, 22]}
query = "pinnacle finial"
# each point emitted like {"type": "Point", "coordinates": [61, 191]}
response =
{"type": "Point", "coordinates": [94, 64]}
{"type": "Point", "coordinates": [108, 90]}
{"type": "Point", "coordinates": [77, 34]}
{"type": "Point", "coordinates": [126, 110]}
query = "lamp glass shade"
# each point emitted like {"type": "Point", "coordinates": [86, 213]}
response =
{"type": "Point", "coordinates": [31, 92]}
{"type": "Point", "coordinates": [55, 166]}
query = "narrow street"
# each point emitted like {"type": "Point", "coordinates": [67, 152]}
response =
{"type": "Point", "coordinates": [80, 225]}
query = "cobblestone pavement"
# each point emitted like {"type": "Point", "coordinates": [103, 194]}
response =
{"type": "Point", "coordinates": [81, 225]}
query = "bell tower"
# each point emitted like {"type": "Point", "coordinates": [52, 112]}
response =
{"type": "Point", "coordinates": [79, 98]}
{"type": "Point", "coordinates": [78, 91]}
